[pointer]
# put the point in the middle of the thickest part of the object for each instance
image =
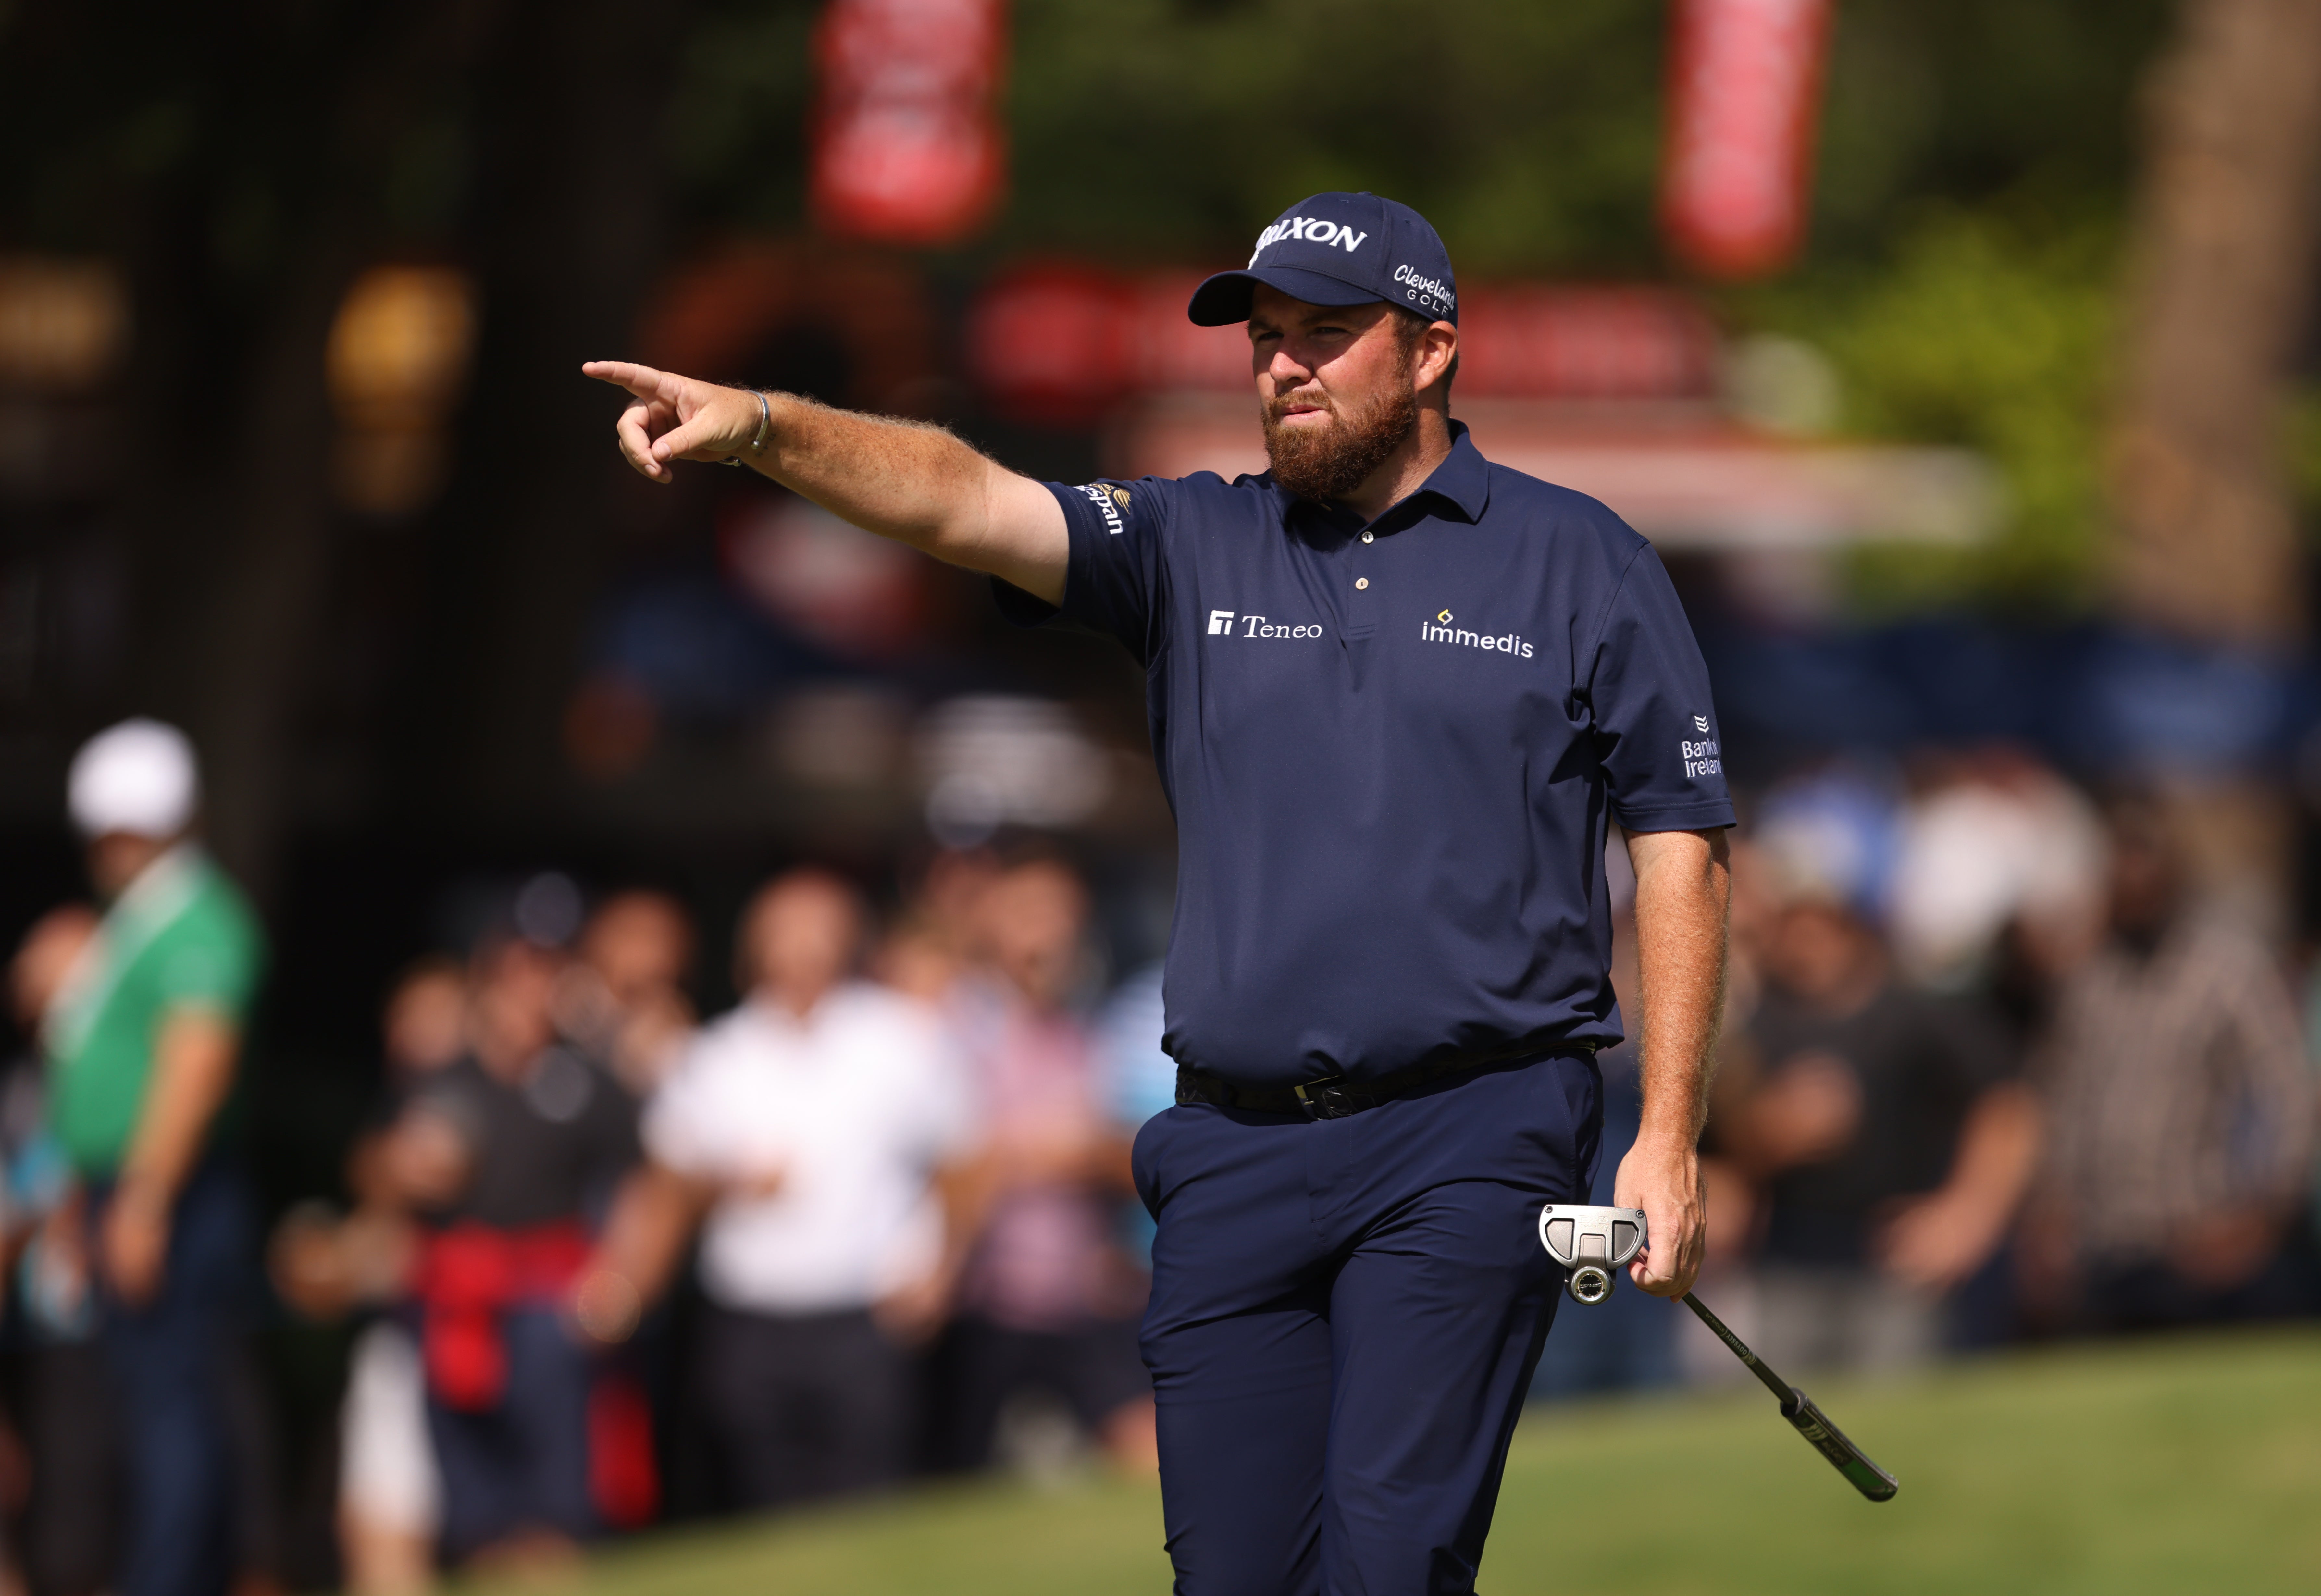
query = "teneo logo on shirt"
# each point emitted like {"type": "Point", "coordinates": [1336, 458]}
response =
{"type": "Point", "coordinates": [1110, 499]}
{"type": "Point", "coordinates": [1222, 620]}
{"type": "Point", "coordinates": [1441, 630]}
{"type": "Point", "coordinates": [1701, 758]}
{"type": "Point", "coordinates": [1425, 290]}
{"type": "Point", "coordinates": [1312, 230]}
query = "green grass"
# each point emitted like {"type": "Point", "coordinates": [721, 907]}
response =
{"type": "Point", "coordinates": [2186, 1466]}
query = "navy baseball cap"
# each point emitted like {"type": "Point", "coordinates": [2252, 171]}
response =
{"type": "Point", "coordinates": [1339, 249]}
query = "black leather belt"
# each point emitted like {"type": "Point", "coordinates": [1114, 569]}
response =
{"type": "Point", "coordinates": [1334, 1097]}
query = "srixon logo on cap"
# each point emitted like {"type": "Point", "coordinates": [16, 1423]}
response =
{"type": "Point", "coordinates": [1312, 230]}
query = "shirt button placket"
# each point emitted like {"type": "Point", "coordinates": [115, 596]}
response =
{"type": "Point", "coordinates": [1361, 599]}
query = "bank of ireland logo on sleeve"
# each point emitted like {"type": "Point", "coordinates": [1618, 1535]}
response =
{"type": "Point", "coordinates": [1703, 758]}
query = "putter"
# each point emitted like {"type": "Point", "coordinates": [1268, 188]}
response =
{"type": "Point", "coordinates": [1593, 1242]}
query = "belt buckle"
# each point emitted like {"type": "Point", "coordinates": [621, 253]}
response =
{"type": "Point", "coordinates": [1323, 1099]}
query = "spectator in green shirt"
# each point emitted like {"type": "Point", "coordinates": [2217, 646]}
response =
{"type": "Point", "coordinates": [143, 1043]}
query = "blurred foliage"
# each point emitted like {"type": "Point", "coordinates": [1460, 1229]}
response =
{"type": "Point", "coordinates": [1149, 130]}
{"type": "Point", "coordinates": [1169, 130]}
{"type": "Point", "coordinates": [1973, 170]}
{"type": "Point", "coordinates": [1981, 331]}
{"type": "Point", "coordinates": [2302, 449]}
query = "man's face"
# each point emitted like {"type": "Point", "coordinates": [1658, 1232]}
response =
{"type": "Point", "coordinates": [118, 858]}
{"type": "Point", "coordinates": [1817, 949]}
{"type": "Point", "coordinates": [804, 933]}
{"type": "Point", "coordinates": [1338, 387]}
{"type": "Point", "coordinates": [1033, 918]}
{"type": "Point", "coordinates": [514, 1003]}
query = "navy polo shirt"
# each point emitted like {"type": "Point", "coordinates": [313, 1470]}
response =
{"type": "Point", "coordinates": [1393, 752]}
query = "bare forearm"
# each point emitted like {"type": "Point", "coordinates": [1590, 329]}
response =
{"type": "Point", "coordinates": [193, 1070]}
{"type": "Point", "coordinates": [902, 480]}
{"type": "Point", "coordinates": [1998, 1148]}
{"type": "Point", "coordinates": [651, 1219]}
{"type": "Point", "coordinates": [916, 484]}
{"type": "Point", "coordinates": [1683, 889]}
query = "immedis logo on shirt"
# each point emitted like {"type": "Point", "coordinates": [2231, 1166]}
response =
{"type": "Point", "coordinates": [1443, 628]}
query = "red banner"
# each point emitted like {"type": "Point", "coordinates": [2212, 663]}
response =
{"type": "Point", "coordinates": [906, 148]}
{"type": "Point", "coordinates": [1744, 100]}
{"type": "Point", "coordinates": [1063, 344]}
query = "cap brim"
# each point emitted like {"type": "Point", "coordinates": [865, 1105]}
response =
{"type": "Point", "coordinates": [1224, 299]}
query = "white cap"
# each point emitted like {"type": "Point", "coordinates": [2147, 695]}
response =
{"type": "Point", "coordinates": [139, 777]}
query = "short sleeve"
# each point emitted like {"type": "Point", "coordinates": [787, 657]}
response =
{"type": "Point", "coordinates": [1114, 578]}
{"type": "Point", "coordinates": [208, 961]}
{"type": "Point", "coordinates": [1655, 724]}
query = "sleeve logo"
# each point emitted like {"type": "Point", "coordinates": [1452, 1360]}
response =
{"type": "Point", "coordinates": [1108, 500]}
{"type": "Point", "coordinates": [1703, 758]}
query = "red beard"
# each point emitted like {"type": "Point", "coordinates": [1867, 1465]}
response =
{"type": "Point", "coordinates": [1330, 463]}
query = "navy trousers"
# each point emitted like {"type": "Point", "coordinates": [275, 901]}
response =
{"type": "Point", "coordinates": [1345, 1320]}
{"type": "Point", "coordinates": [523, 1465]}
{"type": "Point", "coordinates": [169, 1360]}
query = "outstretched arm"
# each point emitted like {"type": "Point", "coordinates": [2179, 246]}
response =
{"type": "Point", "coordinates": [653, 1215]}
{"type": "Point", "coordinates": [914, 483]}
{"type": "Point", "coordinates": [1683, 889]}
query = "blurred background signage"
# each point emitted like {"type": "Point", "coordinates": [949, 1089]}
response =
{"type": "Point", "coordinates": [1745, 84]}
{"type": "Point", "coordinates": [397, 358]}
{"type": "Point", "coordinates": [907, 144]}
{"type": "Point", "coordinates": [1628, 392]}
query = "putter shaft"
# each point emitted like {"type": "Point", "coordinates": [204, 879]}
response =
{"type": "Point", "coordinates": [1809, 1420]}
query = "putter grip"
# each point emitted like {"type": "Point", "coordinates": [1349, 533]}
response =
{"type": "Point", "coordinates": [1830, 1441]}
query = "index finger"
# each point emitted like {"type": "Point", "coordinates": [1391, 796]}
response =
{"type": "Point", "coordinates": [641, 380]}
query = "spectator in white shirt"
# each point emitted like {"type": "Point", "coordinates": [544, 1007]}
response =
{"type": "Point", "coordinates": [805, 1133]}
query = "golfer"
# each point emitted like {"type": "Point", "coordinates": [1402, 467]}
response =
{"type": "Point", "coordinates": [1399, 696]}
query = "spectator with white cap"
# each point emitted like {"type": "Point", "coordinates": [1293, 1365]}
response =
{"type": "Point", "coordinates": [143, 1042]}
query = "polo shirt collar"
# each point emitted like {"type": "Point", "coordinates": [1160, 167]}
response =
{"type": "Point", "coordinates": [1462, 480]}
{"type": "Point", "coordinates": [1464, 477]}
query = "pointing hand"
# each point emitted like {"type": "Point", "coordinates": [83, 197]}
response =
{"type": "Point", "coordinates": [671, 418]}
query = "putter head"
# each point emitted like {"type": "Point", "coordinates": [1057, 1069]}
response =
{"type": "Point", "coordinates": [1830, 1441]}
{"type": "Point", "coordinates": [1593, 1242]}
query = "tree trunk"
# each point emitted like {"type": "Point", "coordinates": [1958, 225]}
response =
{"type": "Point", "coordinates": [276, 556]}
{"type": "Point", "coordinates": [2223, 253]}
{"type": "Point", "coordinates": [572, 230]}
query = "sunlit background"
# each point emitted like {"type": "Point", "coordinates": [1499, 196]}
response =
{"type": "Point", "coordinates": [1957, 358]}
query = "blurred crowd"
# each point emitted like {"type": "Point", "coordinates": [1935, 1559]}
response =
{"type": "Point", "coordinates": [873, 1222]}
{"type": "Point", "coordinates": [1992, 1070]}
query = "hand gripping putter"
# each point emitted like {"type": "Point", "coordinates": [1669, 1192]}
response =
{"type": "Point", "coordinates": [1594, 1243]}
